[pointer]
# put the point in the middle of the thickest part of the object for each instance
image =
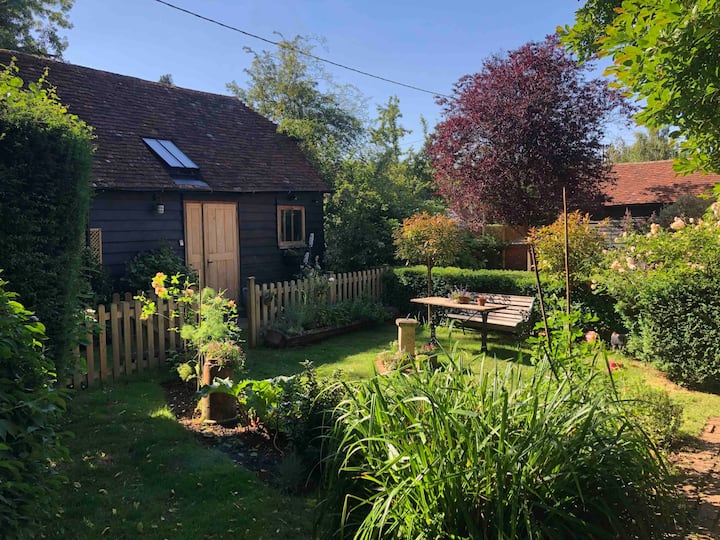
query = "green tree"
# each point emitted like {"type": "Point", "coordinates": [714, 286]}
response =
{"type": "Point", "coordinates": [373, 193]}
{"type": "Point", "coordinates": [33, 25]}
{"type": "Point", "coordinates": [655, 145]}
{"type": "Point", "coordinates": [167, 78]}
{"type": "Point", "coordinates": [291, 89]}
{"type": "Point", "coordinates": [668, 55]}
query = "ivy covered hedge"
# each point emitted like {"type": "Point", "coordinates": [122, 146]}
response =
{"type": "Point", "coordinates": [29, 410]}
{"type": "Point", "coordinates": [45, 161]}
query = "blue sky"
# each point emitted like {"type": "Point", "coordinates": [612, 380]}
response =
{"type": "Point", "coordinates": [426, 44]}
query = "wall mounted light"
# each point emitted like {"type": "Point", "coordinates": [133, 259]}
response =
{"type": "Point", "coordinates": [159, 209]}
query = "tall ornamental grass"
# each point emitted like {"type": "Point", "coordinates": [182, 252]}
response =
{"type": "Point", "coordinates": [449, 454]}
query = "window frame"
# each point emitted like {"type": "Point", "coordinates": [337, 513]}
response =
{"type": "Point", "coordinates": [286, 244]}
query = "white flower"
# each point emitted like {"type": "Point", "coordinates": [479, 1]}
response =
{"type": "Point", "coordinates": [677, 224]}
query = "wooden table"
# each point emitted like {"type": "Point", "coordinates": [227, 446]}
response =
{"type": "Point", "coordinates": [449, 303]}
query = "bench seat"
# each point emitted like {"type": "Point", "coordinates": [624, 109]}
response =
{"type": "Point", "coordinates": [515, 318]}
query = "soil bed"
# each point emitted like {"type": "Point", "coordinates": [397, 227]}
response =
{"type": "Point", "coordinates": [252, 447]}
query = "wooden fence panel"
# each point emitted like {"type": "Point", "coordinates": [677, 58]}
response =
{"type": "Point", "coordinates": [267, 301]}
{"type": "Point", "coordinates": [131, 343]}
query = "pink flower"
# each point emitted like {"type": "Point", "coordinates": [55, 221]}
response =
{"type": "Point", "coordinates": [614, 366]}
{"type": "Point", "coordinates": [591, 336]}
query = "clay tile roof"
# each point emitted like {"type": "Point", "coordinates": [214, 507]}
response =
{"type": "Point", "coordinates": [655, 182]}
{"type": "Point", "coordinates": [236, 149]}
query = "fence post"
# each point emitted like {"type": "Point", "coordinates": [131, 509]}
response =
{"type": "Point", "coordinates": [332, 280]}
{"type": "Point", "coordinates": [250, 308]}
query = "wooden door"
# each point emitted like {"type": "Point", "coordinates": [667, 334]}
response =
{"type": "Point", "coordinates": [211, 245]}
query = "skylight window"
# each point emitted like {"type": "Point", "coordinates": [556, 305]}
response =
{"type": "Point", "coordinates": [170, 154]}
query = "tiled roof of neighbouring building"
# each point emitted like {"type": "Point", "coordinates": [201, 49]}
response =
{"type": "Point", "coordinates": [235, 149]}
{"type": "Point", "coordinates": [654, 182]}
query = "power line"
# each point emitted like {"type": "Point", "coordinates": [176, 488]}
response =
{"type": "Point", "coordinates": [299, 51]}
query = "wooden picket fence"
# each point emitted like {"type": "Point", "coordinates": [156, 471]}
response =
{"type": "Point", "coordinates": [119, 342]}
{"type": "Point", "coordinates": [266, 301]}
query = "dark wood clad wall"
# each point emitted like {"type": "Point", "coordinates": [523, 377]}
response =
{"type": "Point", "coordinates": [130, 225]}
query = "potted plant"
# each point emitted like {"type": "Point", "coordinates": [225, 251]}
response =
{"type": "Point", "coordinates": [461, 296]}
{"type": "Point", "coordinates": [481, 299]}
{"type": "Point", "coordinates": [211, 331]}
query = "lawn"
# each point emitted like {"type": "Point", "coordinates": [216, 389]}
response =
{"type": "Point", "coordinates": [137, 472]}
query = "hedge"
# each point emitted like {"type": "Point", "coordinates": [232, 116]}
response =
{"type": "Point", "coordinates": [408, 282]}
{"type": "Point", "coordinates": [678, 326]}
{"type": "Point", "coordinates": [45, 161]}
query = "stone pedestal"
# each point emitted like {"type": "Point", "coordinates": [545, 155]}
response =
{"type": "Point", "coordinates": [406, 335]}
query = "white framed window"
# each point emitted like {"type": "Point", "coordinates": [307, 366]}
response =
{"type": "Point", "coordinates": [291, 226]}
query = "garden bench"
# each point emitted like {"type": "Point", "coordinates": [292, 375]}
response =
{"type": "Point", "coordinates": [515, 318]}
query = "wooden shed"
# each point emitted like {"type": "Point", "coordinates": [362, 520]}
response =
{"type": "Point", "coordinates": [199, 172]}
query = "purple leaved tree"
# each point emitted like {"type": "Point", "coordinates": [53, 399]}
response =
{"type": "Point", "coordinates": [512, 136]}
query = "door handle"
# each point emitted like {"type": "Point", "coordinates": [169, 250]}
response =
{"type": "Point", "coordinates": [209, 261]}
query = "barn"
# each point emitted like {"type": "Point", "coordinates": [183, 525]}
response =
{"type": "Point", "coordinates": [201, 173]}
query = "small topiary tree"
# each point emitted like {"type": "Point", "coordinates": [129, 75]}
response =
{"type": "Point", "coordinates": [45, 161]}
{"type": "Point", "coordinates": [429, 240]}
{"type": "Point", "coordinates": [29, 409]}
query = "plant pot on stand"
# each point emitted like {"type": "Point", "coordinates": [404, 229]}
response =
{"type": "Point", "coordinates": [217, 407]}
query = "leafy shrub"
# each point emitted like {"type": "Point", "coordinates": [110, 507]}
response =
{"type": "Point", "coordinates": [668, 296]}
{"type": "Point", "coordinates": [300, 318]}
{"type": "Point", "coordinates": [45, 160]}
{"type": "Point", "coordinates": [686, 207]}
{"type": "Point", "coordinates": [305, 414]}
{"type": "Point", "coordinates": [29, 410]}
{"type": "Point", "coordinates": [479, 251]}
{"type": "Point", "coordinates": [444, 454]}
{"type": "Point", "coordinates": [656, 412]}
{"type": "Point", "coordinates": [585, 241]}
{"type": "Point", "coordinates": [140, 270]}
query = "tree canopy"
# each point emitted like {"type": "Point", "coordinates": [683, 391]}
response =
{"type": "Point", "coordinates": [32, 25]}
{"type": "Point", "coordinates": [514, 134]}
{"type": "Point", "coordinates": [375, 182]}
{"type": "Point", "coordinates": [291, 89]}
{"type": "Point", "coordinates": [653, 145]}
{"type": "Point", "coordinates": [667, 54]}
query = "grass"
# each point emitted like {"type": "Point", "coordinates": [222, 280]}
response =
{"type": "Point", "coordinates": [136, 472]}
{"type": "Point", "coordinates": [697, 406]}
{"type": "Point", "coordinates": [355, 353]}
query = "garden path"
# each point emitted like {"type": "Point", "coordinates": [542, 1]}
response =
{"type": "Point", "coordinates": [700, 464]}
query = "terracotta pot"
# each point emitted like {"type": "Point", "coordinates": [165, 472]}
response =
{"type": "Point", "coordinates": [217, 407]}
{"type": "Point", "coordinates": [463, 299]}
{"type": "Point", "coordinates": [481, 300]}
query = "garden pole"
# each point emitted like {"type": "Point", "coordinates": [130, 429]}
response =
{"type": "Point", "coordinates": [567, 268]}
{"type": "Point", "coordinates": [540, 293]}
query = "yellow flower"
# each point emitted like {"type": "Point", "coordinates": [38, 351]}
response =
{"type": "Point", "coordinates": [231, 303]}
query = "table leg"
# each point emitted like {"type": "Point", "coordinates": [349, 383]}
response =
{"type": "Point", "coordinates": [483, 347]}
